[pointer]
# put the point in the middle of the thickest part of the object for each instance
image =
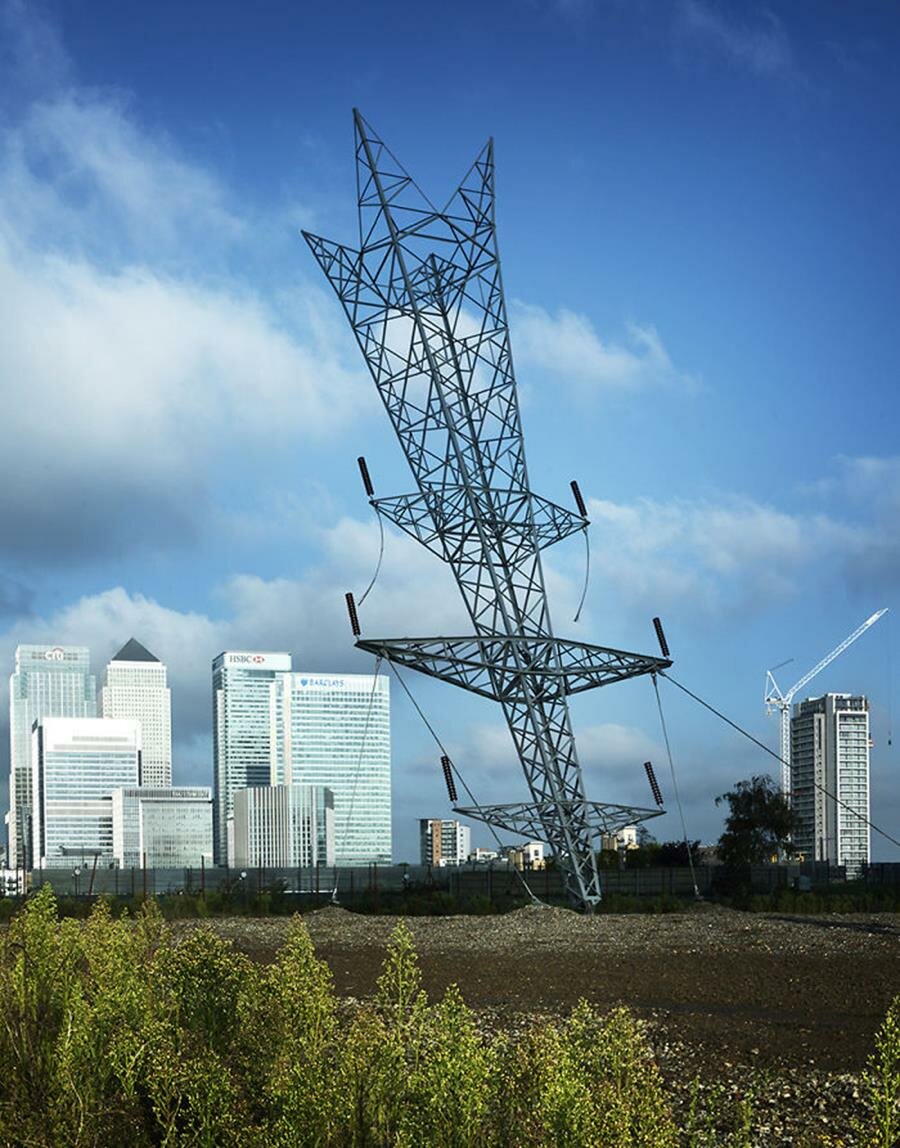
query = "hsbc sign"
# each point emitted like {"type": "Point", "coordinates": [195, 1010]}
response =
{"type": "Point", "coordinates": [254, 661]}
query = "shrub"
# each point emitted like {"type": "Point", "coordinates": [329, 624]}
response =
{"type": "Point", "coordinates": [120, 1032]}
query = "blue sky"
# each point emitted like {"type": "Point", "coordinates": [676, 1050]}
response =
{"type": "Point", "coordinates": [698, 218]}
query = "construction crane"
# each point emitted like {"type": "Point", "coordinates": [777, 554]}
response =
{"type": "Point", "coordinates": [776, 700]}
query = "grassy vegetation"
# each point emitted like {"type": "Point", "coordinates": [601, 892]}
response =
{"type": "Point", "coordinates": [118, 1032]}
{"type": "Point", "coordinates": [275, 901]}
{"type": "Point", "coordinates": [854, 897]}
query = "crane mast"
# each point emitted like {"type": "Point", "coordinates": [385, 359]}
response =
{"type": "Point", "coordinates": [776, 699]}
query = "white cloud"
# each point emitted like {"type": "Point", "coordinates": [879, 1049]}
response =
{"type": "Point", "coordinates": [566, 344]}
{"type": "Point", "coordinates": [79, 174]}
{"type": "Point", "coordinates": [136, 362]}
{"type": "Point", "coordinates": [129, 385]}
{"type": "Point", "coordinates": [762, 46]}
{"type": "Point", "coordinates": [706, 557]}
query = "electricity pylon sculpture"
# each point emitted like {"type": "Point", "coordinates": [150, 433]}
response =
{"type": "Point", "coordinates": [424, 296]}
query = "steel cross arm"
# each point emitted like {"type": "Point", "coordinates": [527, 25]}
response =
{"type": "Point", "coordinates": [495, 666]}
{"type": "Point", "coordinates": [440, 516]}
{"type": "Point", "coordinates": [527, 818]}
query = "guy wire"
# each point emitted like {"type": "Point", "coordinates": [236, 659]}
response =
{"type": "Point", "coordinates": [462, 780]}
{"type": "Point", "coordinates": [362, 750]}
{"type": "Point", "coordinates": [687, 844]}
{"type": "Point", "coordinates": [778, 758]}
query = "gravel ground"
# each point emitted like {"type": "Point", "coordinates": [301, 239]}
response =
{"type": "Point", "coordinates": [785, 1007]}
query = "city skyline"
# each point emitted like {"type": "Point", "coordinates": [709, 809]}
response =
{"type": "Point", "coordinates": [696, 215]}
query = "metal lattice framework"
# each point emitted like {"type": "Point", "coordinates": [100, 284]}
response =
{"type": "Point", "coordinates": [424, 296]}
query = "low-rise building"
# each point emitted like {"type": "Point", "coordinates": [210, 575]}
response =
{"type": "Point", "coordinates": [528, 855]}
{"type": "Point", "coordinates": [284, 826]}
{"type": "Point", "coordinates": [162, 828]}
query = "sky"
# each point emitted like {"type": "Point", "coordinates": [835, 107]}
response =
{"type": "Point", "coordinates": [698, 221]}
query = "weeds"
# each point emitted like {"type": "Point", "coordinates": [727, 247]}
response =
{"type": "Point", "coordinates": [115, 1031]}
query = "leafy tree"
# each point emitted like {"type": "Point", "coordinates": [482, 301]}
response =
{"type": "Point", "coordinates": [675, 853]}
{"type": "Point", "coordinates": [759, 825]}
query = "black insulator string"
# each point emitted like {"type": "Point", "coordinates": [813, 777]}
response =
{"type": "Point", "coordinates": [587, 573]}
{"type": "Point", "coordinates": [380, 556]}
{"type": "Point", "coordinates": [455, 769]}
{"type": "Point", "coordinates": [687, 844]}
{"type": "Point", "coordinates": [654, 784]}
{"type": "Point", "coordinates": [821, 788]}
{"type": "Point", "coordinates": [354, 617]}
{"type": "Point", "coordinates": [661, 637]}
{"type": "Point", "coordinates": [447, 767]}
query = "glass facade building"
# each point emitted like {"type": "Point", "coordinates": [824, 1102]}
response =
{"type": "Point", "coordinates": [76, 765]}
{"type": "Point", "coordinates": [244, 731]}
{"type": "Point", "coordinates": [48, 681]}
{"type": "Point", "coordinates": [830, 751]}
{"type": "Point", "coordinates": [135, 687]}
{"type": "Point", "coordinates": [157, 828]}
{"type": "Point", "coordinates": [334, 730]}
{"type": "Point", "coordinates": [284, 826]}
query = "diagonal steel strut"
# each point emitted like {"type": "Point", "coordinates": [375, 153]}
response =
{"type": "Point", "coordinates": [424, 297]}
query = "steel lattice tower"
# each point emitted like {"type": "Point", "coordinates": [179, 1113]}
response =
{"type": "Point", "coordinates": [424, 296]}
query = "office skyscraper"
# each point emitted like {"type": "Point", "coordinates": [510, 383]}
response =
{"type": "Point", "coordinates": [335, 730]}
{"type": "Point", "coordinates": [245, 748]}
{"type": "Point", "coordinates": [135, 687]}
{"type": "Point", "coordinates": [48, 681]}
{"type": "Point", "coordinates": [76, 765]}
{"type": "Point", "coordinates": [830, 750]}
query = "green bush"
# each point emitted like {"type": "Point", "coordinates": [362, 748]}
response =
{"type": "Point", "coordinates": [117, 1031]}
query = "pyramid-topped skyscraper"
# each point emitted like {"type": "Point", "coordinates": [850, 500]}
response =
{"type": "Point", "coordinates": [135, 686]}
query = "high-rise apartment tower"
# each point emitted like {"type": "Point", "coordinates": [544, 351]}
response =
{"type": "Point", "coordinates": [830, 756]}
{"type": "Point", "coordinates": [135, 687]}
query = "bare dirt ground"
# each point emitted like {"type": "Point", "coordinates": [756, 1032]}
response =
{"type": "Point", "coordinates": [734, 997]}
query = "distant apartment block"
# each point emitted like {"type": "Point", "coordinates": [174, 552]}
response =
{"type": "Point", "coordinates": [830, 755]}
{"type": "Point", "coordinates": [443, 842]}
{"type": "Point", "coordinates": [48, 681]}
{"type": "Point", "coordinates": [162, 828]}
{"type": "Point", "coordinates": [283, 826]}
{"type": "Point", "coordinates": [135, 687]}
{"type": "Point", "coordinates": [76, 765]}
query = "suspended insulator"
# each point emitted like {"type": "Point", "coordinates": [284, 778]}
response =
{"type": "Point", "coordinates": [366, 477]}
{"type": "Point", "coordinates": [354, 617]}
{"type": "Point", "coordinates": [448, 778]}
{"type": "Point", "coordinates": [654, 784]}
{"type": "Point", "coordinates": [579, 501]}
{"type": "Point", "coordinates": [661, 637]}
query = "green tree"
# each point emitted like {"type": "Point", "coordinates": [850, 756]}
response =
{"type": "Point", "coordinates": [759, 825]}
